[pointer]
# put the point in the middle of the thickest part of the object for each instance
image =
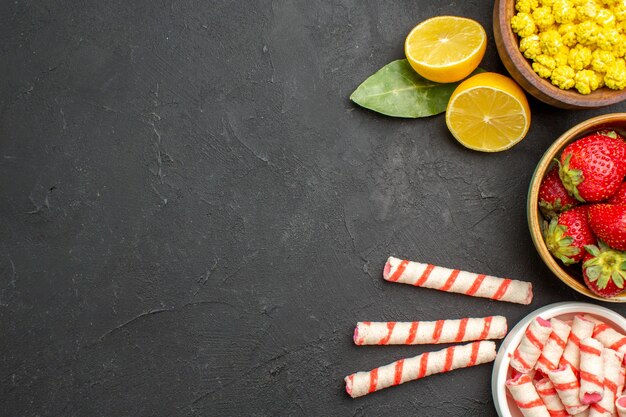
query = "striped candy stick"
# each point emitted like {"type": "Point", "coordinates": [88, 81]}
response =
{"type": "Point", "coordinates": [581, 329]}
{"type": "Point", "coordinates": [550, 398]}
{"type": "Point", "coordinates": [554, 347]}
{"type": "Point", "coordinates": [612, 368]}
{"type": "Point", "coordinates": [420, 366]}
{"type": "Point", "coordinates": [591, 371]}
{"type": "Point", "coordinates": [457, 281]}
{"type": "Point", "coordinates": [525, 396]}
{"type": "Point", "coordinates": [568, 388]}
{"type": "Point", "coordinates": [429, 332]}
{"type": "Point", "coordinates": [608, 336]}
{"type": "Point", "coordinates": [527, 353]}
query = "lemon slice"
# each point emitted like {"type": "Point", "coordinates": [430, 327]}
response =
{"type": "Point", "coordinates": [446, 49]}
{"type": "Point", "coordinates": [488, 112]}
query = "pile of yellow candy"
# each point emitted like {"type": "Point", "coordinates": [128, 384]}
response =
{"type": "Point", "coordinates": [577, 44]}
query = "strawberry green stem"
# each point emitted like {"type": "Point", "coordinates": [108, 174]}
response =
{"type": "Point", "coordinates": [559, 244]}
{"type": "Point", "coordinates": [606, 264]}
{"type": "Point", "coordinates": [571, 178]}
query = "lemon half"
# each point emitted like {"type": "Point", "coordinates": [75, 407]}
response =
{"type": "Point", "coordinates": [488, 112]}
{"type": "Point", "coordinates": [446, 49]}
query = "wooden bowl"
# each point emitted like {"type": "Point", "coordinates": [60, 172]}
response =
{"type": "Point", "coordinates": [520, 69]}
{"type": "Point", "coordinates": [571, 275]}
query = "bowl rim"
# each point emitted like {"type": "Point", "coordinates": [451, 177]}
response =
{"type": "Point", "coordinates": [519, 67]}
{"type": "Point", "coordinates": [501, 363]}
{"type": "Point", "coordinates": [533, 215]}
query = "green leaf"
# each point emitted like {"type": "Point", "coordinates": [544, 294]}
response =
{"type": "Point", "coordinates": [571, 178]}
{"type": "Point", "coordinates": [609, 133]}
{"type": "Point", "coordinates": [594, 272]}
{"type": "Point", "coordinates": [397, 90]}
{"type": "Point", "coordinates": [592, 249]}
{"type": "Point", "coordinates": [617, 278]}
{"type": "Point", "coordinates": [602, 281]}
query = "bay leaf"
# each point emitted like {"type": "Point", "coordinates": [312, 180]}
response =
{"type": "Point", "coordinates": [397, 90]}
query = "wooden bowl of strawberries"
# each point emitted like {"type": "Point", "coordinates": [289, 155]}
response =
{"type": "Point", "coordinates": [577, 207]}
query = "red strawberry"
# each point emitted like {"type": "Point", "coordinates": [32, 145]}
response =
{"type": "Point", "coordinates": [592, 168]}
{"type": "Point", "coordinates": [604, 270]}
{"type": "Point", "coordinates": [608, 221]}
{"type": "Point", "coordinates": [619, 196]}
{"type": "Point", "coordinates": [567, 235]}
{"type": "Point", "coordinates": [553, 197]}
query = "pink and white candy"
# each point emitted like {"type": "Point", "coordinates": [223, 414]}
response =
{"type": "Point", "coordinates": [608, 336]}
{"type": "Point", "coordinates": [527, 353]}
{"type": "Point", "coordinates": [457, 281]}
{"type": "Point", "coordinates": [525, 396]}
{"type": "Point", "coordinates": [420, 366]}
{"type": "Point", "coordinates": [612, 368]}
{"type": "Point", "coordinates": [568, 388]}
{"type": "Point", "coordinates": [554, 347]}
{"type": "Point", "coordinates": [581, 328]}
{"type": "Point", "coordinates": [591, 371]}
{"type": "Point", "coordinates": [429, 332]}
{"type": "Point", "coordinates": [550, 398]}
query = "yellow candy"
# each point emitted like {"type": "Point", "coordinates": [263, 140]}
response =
{"type": "Point", "coordinates": [577, 44]}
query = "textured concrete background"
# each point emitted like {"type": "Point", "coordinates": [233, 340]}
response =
{"type": "Point", "coordinates": [194, 216]}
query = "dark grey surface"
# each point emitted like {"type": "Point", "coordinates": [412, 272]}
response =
{"type": "Point", "coordinates": [194, 216]}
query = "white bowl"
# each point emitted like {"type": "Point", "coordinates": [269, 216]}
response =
{"type": "Point", "coordinates": [505, 406]}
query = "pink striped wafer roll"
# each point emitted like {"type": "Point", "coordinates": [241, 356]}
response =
{"type": "Point", "coordinates": [621, 381]}
{"type": "Point", "coordinates": [581, 329]}
{"type": "Point", "coordinates": [428, 363]}
{"type": "Point", "coordinates": [554, 347]}
{"type": "Point", "coordinates": [525, 396]}
{"type": "Point", "coordinates": [591, 371]}
{"type": "Point", "coordinates": [454, 280]}
{"type": "Point", "coordinates": [620, 405]}
{"type": "Point", "coordinates": [612, 366]}
{"type": "Point", "coordinates": [550, 398]}
{"type": "Point", "coordinates": [535, 337]}
{"type": "Point", "coordinates": [568, 389]}
{"type": "Point", "coordinates": [429, 332]}
{"type": "Point", "coordinates": [608, 336]}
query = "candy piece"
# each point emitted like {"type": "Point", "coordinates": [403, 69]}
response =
{"type": "Point", "coordinates": [550, 398]}
{"type": "Point", "coordinates": [428, 363]}
{"type": "Point", "coordinates": [620, 405]}
{"type": "Point", "coordinates": [612, 368]}
{"type": "Point", "coordinates": [608, 336]}
{"type": "Point", "coordinates": [429, 332]}
{"type": "Point", "coordinates": [581, 329]}
{"type": "Point", "coordinates": [525, 396]}
{"type": "Point", "coordinates": [553, 350]}
{"type": "Point", "coordinates": [535, 337]}
{"type": "Point", "coordinates": [568, 389]}
{"type": "Point", "coordinates": [454, 280]}
{"type": "Point", "coordinates": [591, 371]}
